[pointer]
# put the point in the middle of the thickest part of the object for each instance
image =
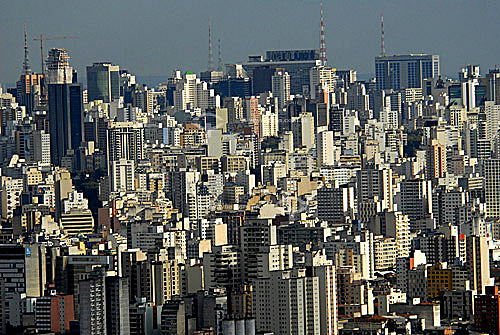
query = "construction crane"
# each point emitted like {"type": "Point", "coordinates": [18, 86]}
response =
{"type": "Point", "coordinates": [41, 39]}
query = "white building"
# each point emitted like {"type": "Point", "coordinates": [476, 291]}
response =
{"type": "Point", "coordinates": [325, 149]}
{"type": "Point", "coordinates": [281, 87]}
{"type": "Point", "coordinates": [122, 176]}
{"type": "Point", "coordinates": [268, 124]}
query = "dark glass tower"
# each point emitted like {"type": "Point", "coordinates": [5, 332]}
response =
{"type": "Point", "coordinates": [66, 118]}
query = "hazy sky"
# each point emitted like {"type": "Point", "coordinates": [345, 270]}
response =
{"type": "Point", "coordinates": [150, 37]}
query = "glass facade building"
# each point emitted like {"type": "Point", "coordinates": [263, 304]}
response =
{"type": "Point", "coordinates": [103, 82]}
{"type": "Point", "coordinates": [405, 71]}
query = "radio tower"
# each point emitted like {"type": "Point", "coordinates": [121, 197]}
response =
{"type": "Point", "coordinates": [210, 51]}
{"type": "Point", "coordinates": [382, 37]}
{"type": "Point", "coordinates": [322, 43]}
{"type": "Point", "coordinates": [219, 65]}
{"type": "Point", "coordinates": [26, 63]}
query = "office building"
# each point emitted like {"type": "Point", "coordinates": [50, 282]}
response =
{"type": "Point", "coordinates": [297, 63]}
{"type": "Point", "coordinates": [405, 71]}
{"type": "Point", "coordinates": [65, 109]}
{"type": "Point", "coordinates": [103, 82]}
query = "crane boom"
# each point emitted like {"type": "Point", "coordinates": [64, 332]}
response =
{"type": "Point", "coordinates": [41, 39]}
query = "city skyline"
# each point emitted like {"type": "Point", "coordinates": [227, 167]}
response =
{"type": "Point", "coordinates": [114, 34]}
{"type": "Point", "coordinates": [261, 168]}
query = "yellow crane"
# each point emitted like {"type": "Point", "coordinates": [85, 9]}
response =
{"type": "Point", "coordinates": [41, 39]}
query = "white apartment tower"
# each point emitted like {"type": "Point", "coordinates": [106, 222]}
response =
{"type": "Point", "coordinates": [122, 175]}
{"type": "Point", "coordinates": [281, 87]}
{"type": "Point", "coordinates": [268, 124]}
{"type": "Point", "coordinates": [325, 148]}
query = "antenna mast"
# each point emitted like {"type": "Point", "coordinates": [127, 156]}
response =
{"type": "Point", "coordinates": [26, 63]}
{"type": "Point", "coordinates": [322, 43]}
{"type": "Point", "coordinates": [210, 51]}
{"type": "Point", "coordinates": [219, 66]}
{"type": "Point", "coordinates": [382, 36]}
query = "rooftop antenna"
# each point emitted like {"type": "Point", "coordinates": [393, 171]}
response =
{"type": "Point", "coordinates": [219, 66]}
{"type": "Point", "coordinates": [382, 36]}
{"type": "Point", "coordinates": [322, 43]}
{"type": "Point", "coordinates": [210, 51]}
{"type": "Point", "coordinates": [26, 63]}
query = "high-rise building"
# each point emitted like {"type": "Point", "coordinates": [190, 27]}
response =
{"type": "Point", "coordinates": [287, 303]}
{"type": "Point", "coordinates": [297, 63]}
{"type": "Point", "coordinates": [29, 86]}
{"type": "Point", "coordinates": [375, 185]}
{"type": "Point", "coordinates": [405, 71]}
{"type": "Point", "coordinates": [125, 141]}
{"type": "Point", "coordinates": [268, 124]}
{"type": "Point", "coordinates": [325, 148]}
{"type": "Point", "coordinates": [92, 302]}
{"type": "Point", "coordinates": [173, 317]}
{"type": "Point", "coordinates": [40, 146]}
{"type": "Point", "coordinates": [58, 69]}
{"type": "Point", "coordinates": [103, 82]}
{"type": "Point", "coordinates": [487, 311]}
{"type": "Point", "coordinates": [66, 119]}
{"type": "Point", "coordinates": [191, 92]}
{"type": "Point", "coordinates": [23, 271]}
{"type": "Point", "coordinates": [122, 175]}
{"type": "Point", "coordinates": [335, 204]}
{"type": "Point", "coordinates": [493, 87]}
{"type": "Point", "coordinates": [397, 226]}
{"type": "Point", "coordinates": [478, 262]}
{"type": "Point", "coordinates": [281, 87]}
{"type": "Point", "coordinates": [303, 131]}
{"type": "Point", "coordinates": [322, 81]}
{"type": "Point", "coordinates": [491, 174]}
{"type": "Point", "coordinates": [117, 306]}
{"type": "Point", "coordinates": [54, 313]}
{"type": "Point", "coordinates": [416, 200]}
{"type": "Point", "coordinates": [435, 160]}
{"type": "Point", "coordinates": [65, 108]}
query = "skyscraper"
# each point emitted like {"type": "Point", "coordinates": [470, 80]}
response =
{"type": "Point", "coordinates": [493, 88]}
{"type": "Point", "coordinates": [491, 174]}
{"type": "Point", "coordinates": [103, 82]}
{"type": "Point", "coordinates": [297, 63]}
{"type": "Point", "coordinates": [65, 108]}
{"type": "Point", "coordinates": [281, 87]}
{"type": "Point", "coordinates": [405, 71]}
{"type": "Point", "coordinates": [325, 148]}
{"type": "Point", "coordinates": [478, 263]}
{"type": "Point", "coordinates": [92, 302]}
{"type": "Point", "coordinates": [435, 160]}
{"type": "Point", "coordinates": [487, 311]}
{"type": "Point", "coordinates": [117, 306]}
